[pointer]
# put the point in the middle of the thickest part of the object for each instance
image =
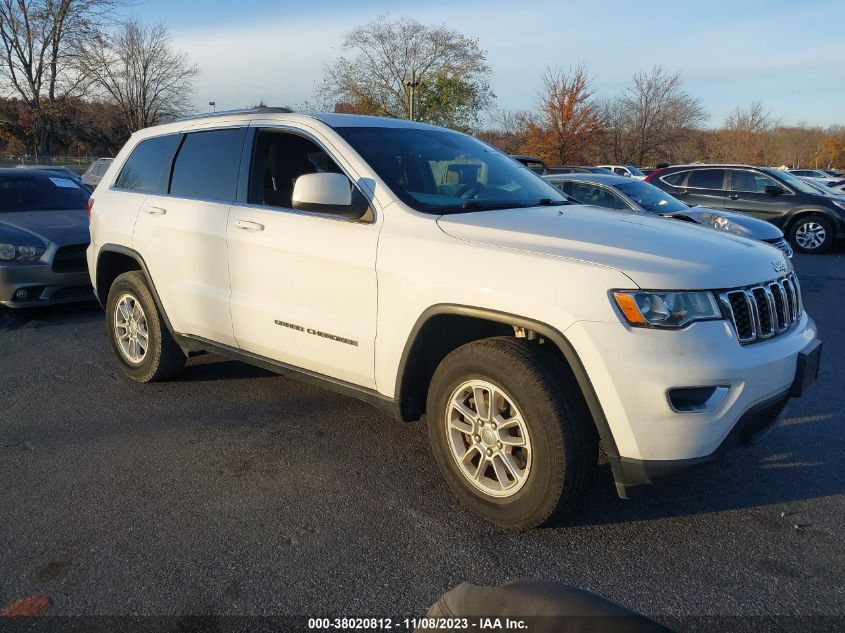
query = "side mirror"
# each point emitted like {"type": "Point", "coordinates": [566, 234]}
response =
{"type": "Point", "coordinates": [329, 193]}
{"type": "Point", "coordinates": [774, 190]}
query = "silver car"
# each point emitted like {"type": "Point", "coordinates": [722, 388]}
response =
{"type": "Point", "coordinates": [622, 193]}
{"type": "Point", "coordinates": [43, 237]}
{"type": "Point", "coordinates": [95, 172]}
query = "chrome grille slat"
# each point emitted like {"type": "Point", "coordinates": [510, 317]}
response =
{"type": "Point", "coordinates": [763, 311]}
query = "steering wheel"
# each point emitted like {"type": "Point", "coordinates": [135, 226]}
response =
{"type": "Point", "coordinates": [474, 187]}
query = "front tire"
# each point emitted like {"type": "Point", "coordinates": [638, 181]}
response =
{"type": "Point", "coordinates": [812, 234]}
{"type": "Point", "coordinates": [510, 432]}
{"type": "Point", "coordinates": [140, 340]}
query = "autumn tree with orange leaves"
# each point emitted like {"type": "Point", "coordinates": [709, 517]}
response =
{"type": "Point", "coordinates": [565, 123]}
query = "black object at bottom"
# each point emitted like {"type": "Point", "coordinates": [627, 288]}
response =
{"type": "Point", "coordinates": [537, 606]}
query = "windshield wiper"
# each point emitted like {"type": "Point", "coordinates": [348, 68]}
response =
{"type": "Point", "coordinates": [477, 205]}
{"type": "Point", "coordinates": [548, 202]}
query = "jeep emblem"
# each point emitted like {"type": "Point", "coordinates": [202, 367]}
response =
{"type": "Point", "coordinates": [779, 265]}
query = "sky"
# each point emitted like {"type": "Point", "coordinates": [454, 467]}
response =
{"type": "Point", "coordinates": [789, 55]}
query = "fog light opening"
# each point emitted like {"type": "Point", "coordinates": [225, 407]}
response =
{"type": "Point", "coordinates": [697, 399]}
{"type": "Point", "coordinates": [21, 293]}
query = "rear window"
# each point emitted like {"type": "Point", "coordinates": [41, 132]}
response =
{"type": "Point", "coordinates": [145, 166]}
{"type": "Point", "coordinates": [706, 179]}
{"type": "Point", "coordinates": [207, 165]}
{"type": "Point", "coordinates": [48, 192]}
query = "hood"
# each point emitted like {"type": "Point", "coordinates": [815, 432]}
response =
{"type": "Point", "coordinates": [654, 253]}
{"type": "Point", "coordinates": [39, 228]}
{"type": "Point", "coordinates": [746, 225]}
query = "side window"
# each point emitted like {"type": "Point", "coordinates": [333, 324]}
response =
{"type": "Point", "coordinates": [749, 181]}
{"type": "Point", "coordinates": [102, 168]}
{"type": "Point", "coordinates": [278, 159]}
{"type": "Point", "coordinates": [620, 171]}
{"type": "Point", "coordinates": [597, 196]}
{"type": "Point", "coordinates": [149, 160]}
{"type": "Point", "coordinates": [676, 179]}
{"type": "Point", "coordinates": [207, 165]}
{"type": "Point", "coordinates": [706, 179]}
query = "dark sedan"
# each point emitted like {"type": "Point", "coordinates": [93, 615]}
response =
{"type": "Point", "coordinates": [622, 193]}
{"type": "Point", "coordinates": [43, 237]}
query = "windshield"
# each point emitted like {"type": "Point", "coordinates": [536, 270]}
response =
{"type": "Point", "coordinates": [824, 189]}
{"type": "Point", "coordinates": [634, 171]}
{"type": "Point", "coordinates": [651, 198]}
{"type": "Point", "coordinates": [793, 181]}
{"type": "Point", "coordinates": [440, 171]}
{"type": "Point", "coordinates": [40, 192]}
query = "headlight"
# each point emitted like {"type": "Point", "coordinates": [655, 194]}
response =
{"type": "Point", "coordinates": [666, 309]}
{"type": "Point", "coordinates": [21, 254]}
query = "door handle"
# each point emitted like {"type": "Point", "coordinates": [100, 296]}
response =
{"type": "Point", "coordinates": [154, 211]}
{"type": "Point", "coordinates": [246, 225]}
{"type": "Point", "coordinates": [734, 196]}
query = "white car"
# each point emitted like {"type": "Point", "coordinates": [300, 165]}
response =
{"type": "Point", "coordinates": [625, 170]}
{"type": "Point", "coordinates": [427, 273]}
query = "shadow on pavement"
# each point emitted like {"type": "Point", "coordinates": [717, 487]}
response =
{"type": "Point", "coordinates": [20, 318]}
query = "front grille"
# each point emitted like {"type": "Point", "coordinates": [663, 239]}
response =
{"type": "Point", "coordinates": [782, 244]}
{"type": "Point", "coordinates": [70, 259]}
{"type": "Point", "coordinates": [764, 311]}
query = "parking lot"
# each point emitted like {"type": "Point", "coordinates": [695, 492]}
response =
{"type": "Point", "coordinates": [232, 490]}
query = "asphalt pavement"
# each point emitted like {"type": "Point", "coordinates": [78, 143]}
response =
{"type": "Point", "coordinates": [235, 491]}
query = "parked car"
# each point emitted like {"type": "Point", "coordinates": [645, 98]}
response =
{"type": "Point", "coordinates": [811, 221]}
{"type": "Point", "coordinates": [96, 171]}
{"type": "Point", "coordinates": [814, 174]}
{"type": "Point", "coordinates": [578, 169]}
{"type": "Point", "coordinates": [537, 165]}
{"type": "Point", "coordinates": [621, 193]}
{"type": "Point", "coordinates": [43, 237]}
{"type": "Point", "coordinates": [647, 171]}
{"type": "Point", "coordinates": [425, 272]}
{"type": "Point", "coordinates": [57, 169]}
{"type": "Point", "coordinates": [625, 170]}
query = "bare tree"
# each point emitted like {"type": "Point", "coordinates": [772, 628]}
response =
{"type": "Point", "coordinates": [450, 69]}
{"type": "Point", "coordinates": [136, 68]}
{"type": "Point", "coordinates": [566, 121]}
{"type": "Point", "coordinates": [38, 38]}
{"type": "Point", "coordinates": [657, 115]}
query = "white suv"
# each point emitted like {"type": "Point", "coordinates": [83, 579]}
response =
{"type": "Point", "coordinates": [427, 273]}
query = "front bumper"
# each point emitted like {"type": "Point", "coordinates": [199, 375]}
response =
{"type": "Point", "coordinates": [633, 369]}
{"type": "Point", "coordinates": [42, 285]}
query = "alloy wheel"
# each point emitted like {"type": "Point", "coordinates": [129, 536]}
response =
{"type": "Point", "coordinates": [488, 438]}
{"type": "Point", "coordinates": [130, 329]}
{"type": "Point", "coordinates": [810, 235]}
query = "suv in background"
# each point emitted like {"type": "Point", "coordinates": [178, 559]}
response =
{"type": "Point", "coordinates": [423, 271]}
{"type": "Point", "coordinates": [96, 171]}
{"type": "Point", "coordinates": [811, 221]}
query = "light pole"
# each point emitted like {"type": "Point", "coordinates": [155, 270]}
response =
{"type": "Point", "coordinates": [213, 104]}
{"type": "Point", "coordinates": [412, 85]}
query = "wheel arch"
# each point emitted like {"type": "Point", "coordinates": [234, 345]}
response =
{"type": "Point", "coordinates": [795, 215]}
{"type": "Point", "coordinates": [112, 261]}
{"type": "Point", "coordinates": [425, 349]}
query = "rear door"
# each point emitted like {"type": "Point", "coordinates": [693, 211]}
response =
{"type": "Point", "coordinates": [704, 187]}
{"type": "Point", "coordinates": [181, 233]}
{"type": "Point", "coordinates": [748, 195]}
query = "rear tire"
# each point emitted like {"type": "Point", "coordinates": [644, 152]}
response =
{"type": "Point", "coordinates": [140, 339]}
{"type": "Point", "coordinates": [527, 460]}
{"type": "Point", "coordinates": [812, 234]}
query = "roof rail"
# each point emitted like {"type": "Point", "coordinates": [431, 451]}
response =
{"type": "Point", "coordinates": [259, 110]}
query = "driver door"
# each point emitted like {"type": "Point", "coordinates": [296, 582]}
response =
{"type": "Point", "coordinates": [303, 283]}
